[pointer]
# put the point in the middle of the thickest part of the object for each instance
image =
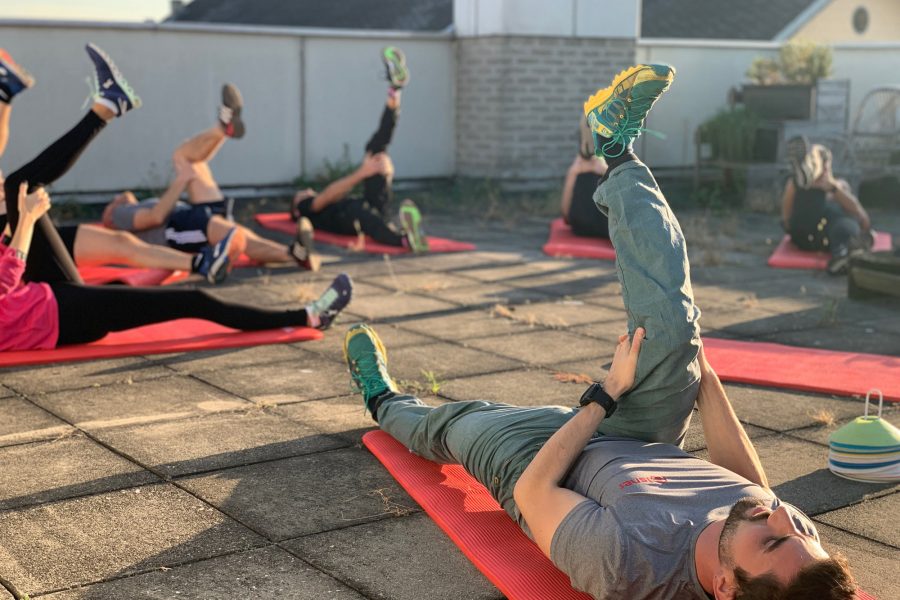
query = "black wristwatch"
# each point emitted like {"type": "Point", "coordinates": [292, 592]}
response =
{"type": "Point", "coordinates": [596, 393]}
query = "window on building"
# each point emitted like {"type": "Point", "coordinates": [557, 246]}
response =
{"type": "Point", "coordinates": [860, 20]}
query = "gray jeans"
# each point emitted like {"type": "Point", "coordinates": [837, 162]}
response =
{"type": "Point", "coordinates": [495, 442]}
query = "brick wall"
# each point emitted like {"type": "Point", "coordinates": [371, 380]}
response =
{"type": "Point", "coordinates": [519, 99]}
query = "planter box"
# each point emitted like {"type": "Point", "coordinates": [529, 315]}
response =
{"type": "Point", "coordinates": [781, 102]}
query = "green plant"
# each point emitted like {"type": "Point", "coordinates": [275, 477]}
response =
{"type": "Point", "coordinates": [732, 134]}
{"type": "Point", "coordinates": [434, 381]}
{"type": "Point", "coordinates": [329, 171]}
{"type": "Point", "coordinates": [799, 62]}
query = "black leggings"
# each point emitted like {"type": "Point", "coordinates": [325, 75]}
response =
{"type": "Point", "coordinates": [820, 225]}
{"type": "Point", "coordinates": [584, 216]}
{"type": "Point", "coordinates": [367, 212]}
{"type": "Point", "coordinates": [88, 313]}
{"type": "Point", "coordinates": [51, 164]}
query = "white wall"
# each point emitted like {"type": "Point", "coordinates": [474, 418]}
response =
{"type": "Point", "coordinates": [568, 18]}
{"type": "Point", "coordinates": [307, 93]}
{"type": "Point", "coordinates": [707, 69]}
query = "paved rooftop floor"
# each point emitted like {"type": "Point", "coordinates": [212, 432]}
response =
{"type": "Point", "coordinates": [240, 473]}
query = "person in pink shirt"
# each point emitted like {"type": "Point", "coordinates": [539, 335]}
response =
{"type": "Point", "coordinates": [40, 315]}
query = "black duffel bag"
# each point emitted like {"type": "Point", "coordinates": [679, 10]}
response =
{"type": "Point", "coordinates": [874, 274]}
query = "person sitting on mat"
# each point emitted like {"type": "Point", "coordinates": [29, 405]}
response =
{"type": "Point", "coordinates": [206, 218]}
{"type": "Point", "coordinates": [577, 202]}
{"type": "Point", "coordinates": [336, 211]}
{"type": "Point", "coordinates": [604, 490]}
{"type": "Point", "coordinates": [90, 244]}
{"type": "Point", "coordinates": [819, 211]}
{"type": "Point", "coordinates": [37, 316]}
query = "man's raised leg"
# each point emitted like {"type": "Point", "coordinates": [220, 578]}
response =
{"type": "Point", "coordinates": [652, 263]}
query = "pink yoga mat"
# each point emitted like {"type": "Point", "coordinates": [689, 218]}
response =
{"type": "Point", "coordinates": [563, 243]}
{"type": "Point", "coordinates": [282, 222]}
{"type": "Point", "coordinates": [788, 256]}
{"type": "Point", "coordinates": [468, 514]}
{"type": "Point", "coordinates": [183, 335]}
{"type": "Point", "coordinates": [807, 369]}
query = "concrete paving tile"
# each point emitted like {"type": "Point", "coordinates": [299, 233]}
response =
{"type": "Point", "coordinates": [464, 325]}
{"type": "Point", "coordinates": [85, 540]}
{"type": "Point", "coordinates": [694, 440]}
{"type": "Point", "coordinates": [216, 441]}
{"type": "Point", "coordinates": [873, 565]}
{"type": "Point", "coordinates": [614, 323]}
{"type": "Point", "coordinates": [162, 399]}
{"type": "Point", "coordinates": [312, 377]}
{"type": "Point", "coordinates": [782, 410]}
{"type": "Point", "coordinates": [797, 473]}
{"type": "Point", "coordinates": [21, 422]}
{"type": "Point", "coordinates": [306, 494]}
{"type": "Point", "coordinates": [5, 392]}
{"type": "Point", "coordinates": [488, 294]}
{"type": "Point", "coordinates": [544, 347]}
{"type": "Point", "coordinates": [343, 416]}
{"type": "Point", "coordinates": [65, 376]}
{"type": "Point", "coordinates": [71, 466]}
{"type": "Point", "coordinates": [563, 313]}
{"type": "Point", "coordinates": [382, 305]}
{"type": "Point", "coordinates": [444, 360]}
{"type": "Point", "coordinates": [524, 387]}
{"type": "Point", "coordinates": [393, 336]}
{"type": "Point", "coordinates": [427, 282]}
{"type": "Point", "coordinates": [423, 562]}
{"type": "Point", "coordinates": [261, 573]}
{"type": "Point", "coordinates": [871, 519]}
{"type": "Point", "coordinates": [821, 433]}
{"type": "Point", "coordinates": [229, 358]}
{"type": "Point", "coordinates": [509, 272]}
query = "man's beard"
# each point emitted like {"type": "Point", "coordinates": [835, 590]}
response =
{"type": "Point", "coordinates": [736, 516]}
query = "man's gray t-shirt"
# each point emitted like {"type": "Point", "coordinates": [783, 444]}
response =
{"type": "Point", "coordinates": [123, 220]}
{"type": "Point", "coordinates": [635, 537]}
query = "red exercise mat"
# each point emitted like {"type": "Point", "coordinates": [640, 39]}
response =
{"type": "Point", "coordinates": [142, 277]}
{"type": "Point", "coordinates": [282, 222]}
{"type": "Point", "coordinates": [788, 256]}
{"type": "Point", "coordinates": [467, 513]}
{"type": "Point", "coordinates": [183, 335]}
{"type": "Point", "coordinates": [564, 243]}
{"type": "Point", "coordinates": [807, 369]}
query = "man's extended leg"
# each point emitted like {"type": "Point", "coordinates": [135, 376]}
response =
{"type": "Point", "coordinates": [494, 442]}
{"type": "Point", "coordinates": [652, 263]}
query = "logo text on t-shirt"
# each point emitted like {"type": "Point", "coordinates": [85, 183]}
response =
{"type": "Point", "coordinates": [651, 479]}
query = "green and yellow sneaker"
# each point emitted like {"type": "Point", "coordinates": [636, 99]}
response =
{"type": "Point", "coordinates": [395, 67]}
{"type": "Point", "coordinates": [367, 360]}
{"type": "Point", "coordinates": [617, 112]}
{"type": "Point", "coordinates": [411, 219]}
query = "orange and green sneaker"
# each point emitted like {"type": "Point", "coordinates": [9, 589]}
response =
{"type": "Point", "coordinates": [616, 114]}
{"type": "Point", "coordinates": [395, 67]}
{"type": "Point", "coordinates": [367, 360]}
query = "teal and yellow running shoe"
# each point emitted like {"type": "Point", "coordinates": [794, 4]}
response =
{"type": "Point", "coordinates": [617, 113]}
{"type": "Point", "coordinates": [395, 67]}
{"type": "Point", "coordinates": [367, 360]}
{"type": "Point", "coordinates": [411, 219]}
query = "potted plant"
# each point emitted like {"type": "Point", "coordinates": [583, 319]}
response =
{"type": "Point", "coordinates": [784, 88]}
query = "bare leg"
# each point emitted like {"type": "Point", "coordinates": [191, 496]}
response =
{"type": "Point", "coordinates": [203, 187]}
{"type": "Point", "coordinates": [97, 245]}
{"type": "Point", "coordinates": [258, 249]}
{"type": "Point", "coordinates": [203, 146]}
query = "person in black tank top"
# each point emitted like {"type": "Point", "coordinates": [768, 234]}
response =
{"type": "Point", "coordinates": [825, 216]}
{"type": "Point", "coordinates": [577, 202]}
